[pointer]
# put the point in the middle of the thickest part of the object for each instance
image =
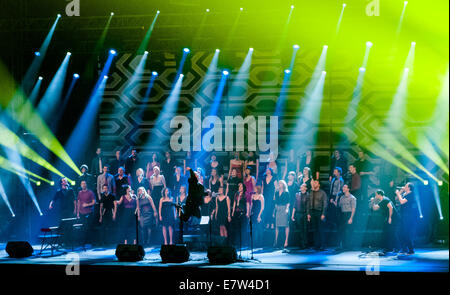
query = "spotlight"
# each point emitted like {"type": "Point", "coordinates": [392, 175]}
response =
{"type": "Point", "coordinates": [40, 214]}
{"type": "Point", "coordinates": [217, 50]}
{"type": "Point", "coordinates": [186, 50]}
{"type": "Point", "coordinates": [38, 183]}
{"type": "Point", "coordinates": [405, 3]}
{"type": "Point", "coordinates": [440, 183]}
{"type": "Point", "coordinates": [181, 75]}
{"type": "Point", "coordinates": [425, 182]}
{"type": "Point", "coordinates": [154, 73]}
{"type": "Point", "coordinates": [325, 47]}
{"type": "Point", "coordinates": [40, 78]}
{"type": "Point", "coordinates": [52, 183]}
{"type": "Point", "coordinates": [421, 216]}
{"type": "Point", "coordinates": [13, 215]}
{"type": "Point", "coordinates": [324, 72]}
{"type": "Point", "coordinates": [112, 13]}
{"type": "Point", "coordinates": [406, 70]}
{"type": "Point", "coordinates": [69, 53]}
{"type": "Point", "coordinates": [296, 46]}
{"type": "Point", "coordinates": [37, 53]}
{"type": "Point", "coordinates": [58, 15]}
{"type": "Point", "coordinates": [76, 76]}
{"type": "Point", "coordinates": [158, 12]}
{"type": "Point", "coordinates": [251, 49]}
{"type": "Point", "coordinates": [225, 73]}
{"type": "Point", "coordinates": [207, 9]}
{"type": "Point", "coordinates": [287, 71]}
{"type": "Point", "coordinates": [241, 9]}
{"type": "Point", "coordinates": [413, 43]}
{"type": "Point", "coordinates": [344, 5]}
{"type": "Point", "coordinates": [105, 77]}
{"type": "Point", "coordinates": [113, 52]}
{"type": "Point", "coordinates": [441, 218]}
{"type": "Point", "coordinates": [292, 6]}
{"type": "Point", "coordinates": [146, 52]}
{"type": "Point", "coordinates": [362, 69]}
{"type": "Point", "coordinates": [72, 183]}
{"type": "Point", "coordinates": [369, 44]}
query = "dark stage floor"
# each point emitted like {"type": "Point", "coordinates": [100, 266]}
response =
{"type": "Point", "coordinates": [426, 260]}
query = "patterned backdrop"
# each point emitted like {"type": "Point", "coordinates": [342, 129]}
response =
{"type": "Point", "coordinates": [125, 120]}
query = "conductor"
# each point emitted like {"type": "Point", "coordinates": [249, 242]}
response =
{"type": "Point", "coordinates": [194, 198]}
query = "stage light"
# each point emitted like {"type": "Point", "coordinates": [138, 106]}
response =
{"type": "Point", "coordinates": [112, 13]}
{"type": "Point", "coordinates": [38, 183]}
{"type": "Point", "coordinates": [369, 44]}
{"type": "Point", "coordinates": [113, 52]}
{"type": "Point", "coordinates": [325, 47]}
{"type": "Point", "coordinates": [324, 72]}
{"type": "Point", "coordinates": [362, 69]}
{"type": "Point", "coordinates": [441, 218]}
{"type": "Point", "coordinates": [69, 53]}
{"type": "Point", "coordinates": [344, 5]}
{"type": "Point", "coordinates": [421, 216]}
{"type": "Point", "coordinates": [40, 78]}
{"type": "Point", "coordinates": [241, 9]}
{"type": "Point", "coordinates": [225, 73]}
{"type": "Point", "coordinates": [440, 183]}
{"type": "Point", "coordinates": [251, 49]}
{"type": "Point", "coordinates": [413, 43]}
{"type": "Point", "coordinates": [76, 76]}
{"type": "Point", "coordinates": [187, 50]}
{"type": "Point", "coordinates": [37, 53]}
{"type": "Point", "coordinates": [405, 3]}
{"type": "Point", "coordinates": [181, 75]}
{"type": "Point", "coordinates": [146, 52]}
{"type": "Point", "coordinates": [207, 9]}
{"type": "Point", "coordinates": [52, 183]}
{"type": "Point", "coordinates": [105, 77]}
{"type": "Point", "coordinates": [425, 182]}
{"type": "Point", "coordinates": [158, 12]}
{"type": "Point", "coordinates": [154, 73]}
{"type": "Point", "coordinates": [287, 71]}
{"type": "Point", "coordinates": [72, 183]}
{"type": "Point", "coordinates": [296, 46]}
{"type": "Point", "coordinates": [406, 70]}
{"type": "Point", "coordinates": [58, 15]}
{"type": "Point", "coordinates": [217, 50]}
{"type": "Point", "coordinates": [292, 6]}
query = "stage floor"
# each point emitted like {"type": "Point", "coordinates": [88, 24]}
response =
{"type": "Point", "coordinates": [426, 260]}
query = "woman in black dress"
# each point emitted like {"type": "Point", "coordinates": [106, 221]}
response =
{"type": "Point", "coordinates": [222, 212]}
{"type": "Point", "coordinates": [215, 182]}
{"type": "Point", "coordinates": [305, 178]}
{"type": "Point", "coordinates": [240, 213]}
{"type": "Point", "coordinates": [256, 216]}
{"type": "Point", "coordinates": [268, 187]}
{"type": "Point", "coordinates": [167, 215]}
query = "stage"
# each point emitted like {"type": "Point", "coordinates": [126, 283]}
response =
{"type": "Point", "coordinates": [426, 260]}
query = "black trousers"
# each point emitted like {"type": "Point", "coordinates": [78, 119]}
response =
{"type": "Point", "coordinates": [345, 230]}
{"type": "Point", "coordinates": [317, 227]}
{"type": "Point", "coordinates": [301, 226]}
{"type": "Point", "coordinates": [389, 237]}
{"type": "Point", "coordinates": [407, 233]}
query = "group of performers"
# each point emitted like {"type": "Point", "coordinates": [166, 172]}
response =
{"type": "Point", "coordinates": [241, 205]}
